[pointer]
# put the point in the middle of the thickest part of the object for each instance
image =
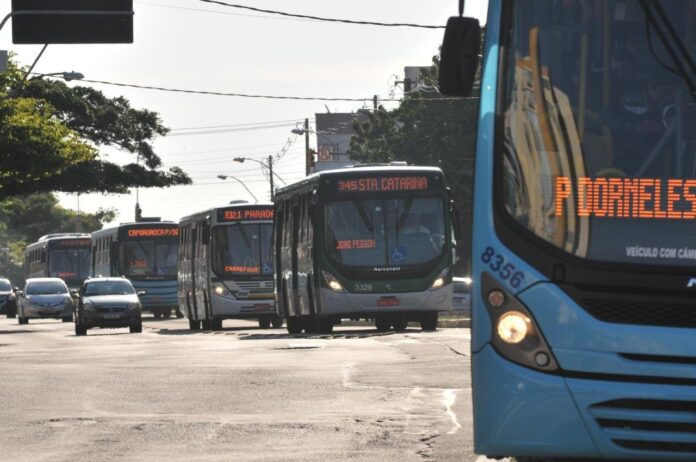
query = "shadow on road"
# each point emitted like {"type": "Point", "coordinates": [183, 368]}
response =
{"type": "Point", "coordinates": [246, 333]}
{"type": "Point", "coordinates": [23, 331]}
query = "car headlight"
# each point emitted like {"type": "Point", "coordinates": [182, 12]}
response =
{"type": "Point", "coordinates": [134, 306]}
{"type": "Point", "coordinates": [89, 306]}
{"type": "Point", "coordinates": [441, 279]}
{"type": "Point", "coordinates": [333, 283]}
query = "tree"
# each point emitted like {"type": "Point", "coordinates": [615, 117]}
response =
{"type": "Point", "coordinates": [50, 134]}
{"type": "Point", "coordinates": [427, 129]}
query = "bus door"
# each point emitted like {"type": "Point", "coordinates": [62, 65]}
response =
{"type": "Point", "coordinates": [293, 257]}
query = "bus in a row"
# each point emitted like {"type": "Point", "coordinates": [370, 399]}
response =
{"type": "Point", "coordinates": [584, 252]}
{"type": "Point", "coordinates": [226, 266]}
{"type": "Point", "coordinates": [369, 242]}
{"type": "Point", "coordinates": [145, 253]}
{"type": "Point", "coordinates": [65, 256]}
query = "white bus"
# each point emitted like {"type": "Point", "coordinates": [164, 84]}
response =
{"type": "Point", "coordinates": [226, 266]}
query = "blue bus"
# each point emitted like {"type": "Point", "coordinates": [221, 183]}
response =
{"type": "Point", "coordinates": [584, 307]}
{"type": "Point", "coordinates": [145, 253]}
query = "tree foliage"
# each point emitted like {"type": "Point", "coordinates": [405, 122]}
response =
{"type": "Point", "coordinates": [50, 136]}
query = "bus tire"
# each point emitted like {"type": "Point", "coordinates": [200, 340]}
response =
{"type": "Point", "coordinates": [324, 325]}
{"type": "Point", "coordinates": [428, 320]}
{"type": "Point", "coordinates": [216, 324]}
{"type": "Point", "coordinates": [276, 322]}
{"type": "Point", "coordinates": [194, 325]}
{"type": "Point", "coordinates": [136, 328]}
{"type": "Point", "coordinates": [382, 324]}
{"type": "Point", "coordinates": [400, 324]}
{"type": "Point", "coordinates": [264, 322]}
{"type": "Point", "coordinates": [167, 313]}
{"type": "Point", "coordinates": [11, 315]}
{"type": "Point", "coordinates": [22, 320]}
{"type": "Point", "coordinates": [294, 325]}
{"type": "Point", "coordinates": [80, 330]}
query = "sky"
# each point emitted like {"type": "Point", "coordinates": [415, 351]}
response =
{"type": "Point", "coordinates": [194, 45]}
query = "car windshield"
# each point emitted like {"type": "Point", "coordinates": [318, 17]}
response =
{"type": "Point", "coordinates": [108, 288]}
{"type": "Point", "coordinates": [599, 137]}
{"type": "Point", "coordinates": [5, 286]}
{"type": "Point", "coordinates": [385, 232]}
{"type": "Point", "coordinates": [46, 288]}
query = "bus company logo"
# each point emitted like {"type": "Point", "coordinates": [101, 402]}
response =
{"type": "Point", "coordinates": [399, 183]}
{"type": "Point", "coordinates": [386, 269]}
{"type": "Point", "coordinates": [153, 232]}
{"type": "Point", "coordinates": [691, 284]}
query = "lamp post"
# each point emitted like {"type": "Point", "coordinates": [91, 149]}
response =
{"type": "Point", "coordinates": [306, 131]}
{"type": "Point", "coordinates": [224, 177]}
{"type": "Point", "coordinates": [65, 75]}
{"type": "Point", "coordinates": [268, 165]}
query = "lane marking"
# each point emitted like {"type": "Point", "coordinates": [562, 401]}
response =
{"type": "Point", "coordinates": [449, 397]}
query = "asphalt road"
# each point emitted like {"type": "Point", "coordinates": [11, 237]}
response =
{"type": "Point", "coordinates": [239, 394]}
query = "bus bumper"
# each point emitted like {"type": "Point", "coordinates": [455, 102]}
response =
{"type": "Point", "coordinates": [226, 307]}
{"type": "Point", "coordinates": [526, 413]}
{"type": "Point", "coordinates": [358, 305]}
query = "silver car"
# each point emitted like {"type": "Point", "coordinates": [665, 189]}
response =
{"type": "Point", "coordinates": [8, 302]}
{"type": "Point", "coordinates": [108, 303]}
{"type": "Point", "coordinates": [44, 298]}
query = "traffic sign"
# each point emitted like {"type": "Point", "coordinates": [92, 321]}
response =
{"type": "Point", "coordinates": [323, 154]}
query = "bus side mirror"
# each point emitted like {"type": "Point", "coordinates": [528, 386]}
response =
{"type": "Point", "coordinates": [456, 223]}
{"type": "Point", "coordinates": [459, 56]}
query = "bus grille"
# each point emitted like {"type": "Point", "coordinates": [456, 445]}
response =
{"type": "Point", "coordinates": [649, 425]}
{"type": "Point", "coordinates": [641, 313]}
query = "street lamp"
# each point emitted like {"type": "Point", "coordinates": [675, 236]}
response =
{"type": "Point", "coordinates": [268, 165]}
{"type": "Point", "coordinates": [224, 177]}
{"type": "Point", "coordinates": [68, 76]}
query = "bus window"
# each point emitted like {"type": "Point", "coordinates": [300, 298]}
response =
{"type": "Point", "coordinates": [242, 249]}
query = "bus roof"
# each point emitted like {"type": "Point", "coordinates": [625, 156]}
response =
{"type": "Point", "coordinates": [63, 236]}
{"type": "Point", "coordinates": [358, 170]}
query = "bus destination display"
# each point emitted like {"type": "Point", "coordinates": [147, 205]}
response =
{"type": "Point", "coordinates": [246, 214]}
{"type": "Point", "coordinates": [384, 184]}
{"type": "Point", "coordinates": [153, 232]}
{"type": "Point", "coordinates": [637, 198]}
{"type": "Point", "coordinates": [71, 243]}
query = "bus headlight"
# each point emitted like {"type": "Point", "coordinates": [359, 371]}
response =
{"type": "Point", "coordinates": [513, 327]}
{"type": "Point", "coordinates": [515, 336]}
{"type": "Point", "coordinates": [441, 279]}
{"type": "Point", "coordinates": [220, 290]}
{"type": "Point", "coordinates": [333, 283]}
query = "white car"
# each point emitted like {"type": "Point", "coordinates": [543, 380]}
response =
{"type": "Point", "coordinates": [44, 298]}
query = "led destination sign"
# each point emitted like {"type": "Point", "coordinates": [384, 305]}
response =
{"type": "Point", "coordinates": [227, 215]}
{"type": "Point", "coordinates": [71, 243]}
{"type": "Point", "coordinates": [383, 184]}
{"type": "Point", "coordinates": [641, 198]}
{"type": "Point", "coordinates": [153, 232]}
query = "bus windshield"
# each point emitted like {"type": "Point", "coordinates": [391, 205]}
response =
{"type": "Point", "coordinates": [242, 249]}
{"type": "Point", "coordinates": [599, 138]}
{"type": "Point", "coordinates": [69, 264]}
{"type": "Point", "coordinates": [149, 258]}
{"type": "Point", "coordinates": [385, 232]}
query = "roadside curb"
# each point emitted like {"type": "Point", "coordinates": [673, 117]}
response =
{"type": "Point", "coordinates": [442, 323]}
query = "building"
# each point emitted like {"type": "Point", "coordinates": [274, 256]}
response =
{"type": "Point", "coordinates": [333, 132]}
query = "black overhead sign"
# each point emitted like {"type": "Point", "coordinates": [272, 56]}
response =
{"type": "Point", "coordinates": [72, 21]}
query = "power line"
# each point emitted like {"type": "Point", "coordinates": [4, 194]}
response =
{"type": "Point", "coordinates": [219, 12]}
{"type": "Point", "coordinates": [247, 124]}
{"type": "Point", "coordinates": [319, 18]}
{"type": "Point", "coordinates": [228, 130]}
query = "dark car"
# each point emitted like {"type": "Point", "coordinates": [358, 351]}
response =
{"type": "Point", "coordinates": [8, 299]}
{"type": "Point", "coordinates": [108, 303]}
{"type": "Point", "coordinates": [461, 296]}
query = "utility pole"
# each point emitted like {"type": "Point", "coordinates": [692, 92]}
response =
{"type": "Point", "coordinates": [270, 176]}
{"type": "Point", "coordinates": [375, 102]}
{"type": "Point", "coordinates": [308, 153]}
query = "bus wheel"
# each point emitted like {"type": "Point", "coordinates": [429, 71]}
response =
{"type": "Point", "coordinates": [294, 325]}
{"type": "Point", "coordinates": [167, 313]}
{"type": "Point", "coordinates": [194, 325]}
{"type": "Point", "coordinates": [276, 321]}
{"type": "Point", "coordinates": [80, 329]}
{"type": "Point", "coordinates": [216, 324]}
{"type": "Point", "coordinates": [382, 324]}
{"type": "Point", "coordinates": [264, 322]}
{"type": "Point", "coordinates": [428, 320]}
{"type": "Point", "coordinates": [22, 320]}
{"type": "Point", "coordinates": [324, 325]}
{"type": "Point", "coordinates": [400, 324]}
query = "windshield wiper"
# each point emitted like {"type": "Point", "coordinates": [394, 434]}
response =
{"type": "Point", "coordinates": [367, 220]}
{"type": "Point", "coordinates": [402, 219]}
{"type": "Point", "coordinates": [674, 54]}
{"type": "Point", "coordinates": [245, 236]}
